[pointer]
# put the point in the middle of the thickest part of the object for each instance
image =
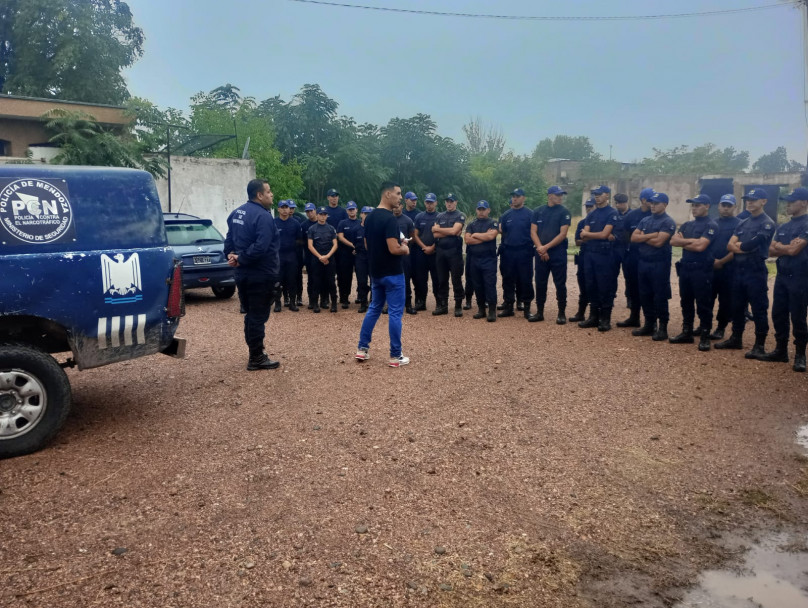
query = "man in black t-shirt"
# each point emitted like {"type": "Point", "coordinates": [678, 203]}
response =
{"type": "Point", "coordinates": [385, 245]}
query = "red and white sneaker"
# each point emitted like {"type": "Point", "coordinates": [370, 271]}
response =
{"type": "Point", "coordinates": [362, 354]}
{"type": "Point", "coordinates": [399, 361]}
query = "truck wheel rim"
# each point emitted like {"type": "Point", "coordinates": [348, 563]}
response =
{"type": "Point", "coordinates": [23, 401]}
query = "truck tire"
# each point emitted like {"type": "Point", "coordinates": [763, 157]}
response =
{"type": "Point", "coordinates": [34, 399]}
{"type": "Point", "coordinates": [225, 292]}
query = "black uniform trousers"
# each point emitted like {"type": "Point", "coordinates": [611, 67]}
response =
{"type": "Point", "coordinates": [255, 295]}
{"type": "Point", "coordinates": [517, 274]}
{"type": "Point", "coordinates": [322, 277]}
{"type": "Point", "coordinates": [601, 278]}
{"type": "Point", "coordinates": [655, 288]}
{"type": "Point", "coordinates": [288, 276]}
{"type": "Point", "coordinates": [470, 289]}
{"type": "Point", "coordinates": [790, 300]}
{"type": "Point", "coordinates": [362, 277]}
{"type": "Point", "coordinates": [557, 266]}
{"type": "Point", "coordinates": [580, 275]}
{"type": "Point", "coordinates": [424, 267]}
{"type": "Point", "coordinates": [750, 287]}
{"type": "Point", "coordinates": [483, 278]}
{"type": "Point", "coordinates": [345, 270]}
{"type": "Point", "coordinates": [301, 261]}
{"type": "Point", "coordinates": [696, 285]}
{"type": "Point", "coordinates": [723, 278]}
{"type": "Point", "coordinates": [631, 272]}
{"type": "Point", "coordinates": [449, 263]}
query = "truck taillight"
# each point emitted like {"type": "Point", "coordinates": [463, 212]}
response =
{"type": "Point", "coordinates": [176, 297]}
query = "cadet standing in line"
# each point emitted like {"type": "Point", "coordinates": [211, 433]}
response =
{"type": "Point", "coordinates": [791, 283]}
{"type": "Point", "coordinates": [362, 269]}
{"type": "Point", "coordinates": [311, 220]}
{"type": "Point", "coordinates": [517, 254]}
{"type": "Point", "coordinates": [290, 235]}
{"type": "Point", "coordinates": [449, 261]}
{"type": "Point", "coordinates": [405, 226]}
{"type": "Point", "coordinates": [583, 296]}
{"type": "Point", "coordinates": [631, 259]}
{"type": "Point", "coordinates": [481, 249]}
{"type": "Point", "coordinates": [345, 252]}
{"type": "Point", "coordinates": [322, 245]}
{"type": "Point", "coordinates": [601, 284]}
{"type": "Point", "coordinates": [622, 237]}
{"type": "Point", "coordinates": [423, 253]}
{"type": "Point", "coordinates": [695, 271]}
{"type": "Point", "coordinates": [750, 244]}
{"type": "Point", "coordinates": [301, 253]}
{"type": "Point", "coordinates": [411, 205]}
{"type": "Point", "coordinates": [335, 215]}
{"type": "Point", "coordinates": [653, 235]}
{"type": "Point", "coordinates": [551, 222]}
{"type": "Point", "coordinates": [723, 264]}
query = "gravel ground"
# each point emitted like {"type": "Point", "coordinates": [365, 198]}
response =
{"type": "Point", "coordinates": [510, 464]}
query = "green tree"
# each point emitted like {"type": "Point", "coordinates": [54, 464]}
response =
{"type": "Point", "coordinates": [67, 49]}
{"type": "Point", "coordinates": [567, 147]}
{"type": "Point", "coordinates": [700, 160]}
{"type": "Point", "coordinates": [776, 162]}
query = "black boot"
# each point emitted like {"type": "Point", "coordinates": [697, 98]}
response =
{"type": "Point", "coordinates": [467, 305]}
{"type": "Point", "coordinates": [345, 304]}
{"type": "Point", "coordinates": [734, 342]}
{"type": "Point", "coordinates": [632, 321]}
{"type": "Point", "coordinates": [799, 359]}
{"type": "Point", "coordinates": [442, 308]}
{"type": "Point", "coordinates": [277, 306]}
{"type": "Point", "coordinates": [507, 310]}
{"type": "Point", "coordinates": [333, 306]}
{"type": "Point", "coordinates": [704, 339]}
{"type": "Point", "coordinates": [686, 337]}
{"type": "Point", "coordinates": [520, 306]}
{"type": "Point", "coordinates": [661, 334]}
{"type": "Point", "coordinates": [539, 316]}
{"type": "Point", "coordinates": [561, 319]}
{"type": "Point", "coordinates": [759, 348]}
{"type": "Point", "coordinates": [480, 314]}
{"type": "Point", "coordinates": [492, 312]}
{"type": "Point", "coordinates": [293, 306]}
{"type": "Point", "coordinates": [648, 329]}
{"type": "Point", "coordinates": [261, 361]}
{"type": "Point", "coordinates": [363, 307]}
{"type": "Point", "coordinates": [315, 307]}
{"type": "Point", "coordinates": [286, 302]}
{"type": "Point", "coordinates": [605, 322]}
{"type": "Point", "coordinates": [592, 321]}
{"type": "Point", "coordinates": [458, 312]}
{"type": "Point", "coordinates": [779, 354]}
{"type": "Point", "coordinates": [420, 305]}
{"type": "Point", "coordinates": [409, 309]}
{"type": "Point", "coordinates": [718, 334]}
{"type": "Point", "coordinates": [526, 310]}
{"type": "Point", "coordinates": [501, 306]}
{"type": "Point", "coordinates": [580, 315]}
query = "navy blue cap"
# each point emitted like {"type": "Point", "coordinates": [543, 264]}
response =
{"type": "Point", "coordinates": [518, 192]}
{"type": "Point", "coordinates": [450, 197]}
{"type": "Point", "coordinates": [332, 192]}
{"type": "Point", "coordinates": [483, 205]}
{"type": "Point", "coordinates": [310, 207]}
{"type": "Point", "coordinates": [728, 198]}
{"type": "Point", "coordinates": [701, 198]}
{"type": "Point", "coordinates": [556, 190]}
{"type": "Point", "coordinates": [322, 210]}
{"type": "Point", "coordinates": [367, 209]}
{"type": "Point", "coordinates": [590, 202]}
{"type": "Point", "coordinates": [431, 198]}
{"type": "Point", "coordinates": [283, 203]}
{"type": "Point", "coordinates": [621, 198]}
{"type": "Point", "coordinates": [799, 194]}
{"type": "Point", "coordinates": [351, 205]}
{"type": "Point", "coordinates": [411, 196]}
{"type": "Point", "coordinates": [292, 204]}
{"type": "Point", "coordinates": [659, 197]}
{"type": "Point", "coordinates": [647, 193]}
{"type": "Point", "coordinates": [602, 189]}
{"type": "Point", "coordinates": [756, 194]}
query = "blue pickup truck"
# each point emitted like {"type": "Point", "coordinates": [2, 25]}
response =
{"type": "Point", "coordinates": [86, 271]}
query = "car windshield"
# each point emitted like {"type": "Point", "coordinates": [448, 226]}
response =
{"type": "Point", "coordinates": [192, 234]}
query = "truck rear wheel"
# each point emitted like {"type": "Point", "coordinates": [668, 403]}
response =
{"type": "Point", "coordinates": [34, 399]}
{"type": "Point", "coordinates": [224, 292]}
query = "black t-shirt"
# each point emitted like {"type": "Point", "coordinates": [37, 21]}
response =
{"type": "Point", "coordinates": [322, 237]}
{"type": "Point", "coordinates": [380, 226]}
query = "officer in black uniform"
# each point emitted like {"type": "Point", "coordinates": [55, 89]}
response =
{"type": "Point", "coordinates": [345, 252]}
{"type": "Point", "coordinates": [517, 254]}
{"type": "Point", "coordinates": [621, 238]}
{"type": "Point", "coordinates": [549, 235]}
{"type": "Point", "coordinates": [791, 284]}
{"type": "Point", "coordinates": [750, 244]}
{"type": "Point", "coordinates": [362, 268]}
{"type": "Point", "coordinates": [290, 236]}
{"type": "Point", "coordinates": [583, 296]}
{"type": "Point", "coordinates": [631, 258]}
{"type": "Point", "coordinates": [251, 247]}
{"type": "Point", "coordinates": [481, 249]}
{"type": "Point", "coordinates": [723, 264]}
{"type": "Point", "coordinates": [336, 214]}
{"type": "Point", "coordinates": [423, 253]}
{"type": "Point", "coordinates": [323, 245]}
{"type": "Point", "coordinates": [601, 278]}
{"type": "Point", "coordinates": [695, 271]}
{"type": "Point", "coordinates": [311, 220]}
{"type": "Point", "coordinates": [449, 262]}
{"type": "Point", "coordinates": [405, 228]}
{"type": "Point", "coordinates": [411, 205]}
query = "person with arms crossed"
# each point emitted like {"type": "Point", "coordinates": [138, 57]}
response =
{"type": "Point", "coordinates": [549, 234]}
{"type": "Point", "coordinates": [423, 253]}
{"type": "Point", "coordinates": [481, 249]}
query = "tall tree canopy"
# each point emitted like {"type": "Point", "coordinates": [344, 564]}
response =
{"type": "Point", "coordinates": [776, 162]}
{"type": "Point", "coordinates": [67, 49]}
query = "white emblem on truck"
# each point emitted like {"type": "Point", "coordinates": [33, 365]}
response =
{"type": "Point", "coordinates": [122, 283]}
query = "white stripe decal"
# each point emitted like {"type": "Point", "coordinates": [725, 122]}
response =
{"type": "Point", "coordinates": [102, 333]}
{"type": "Point", "coordinates": [141, 329]}
{"type": "Point", "coordinates": [115, 330]}
{"type": "Point", "coordinates": [127, 330]}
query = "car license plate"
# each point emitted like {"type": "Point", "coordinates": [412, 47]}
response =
{"type": "Point", "coordinates": [201, 259]}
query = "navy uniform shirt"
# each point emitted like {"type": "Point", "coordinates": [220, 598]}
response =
{"type": "Point", "coordinates": [448, 219]}
{"type": "Point", "coordinates": [487, 249]}
{"type": "Point", "coordinates": [405, 225]}
{"type": "Point", "coordinates": [697, 228]}
{"type": "Point", "coordinates": [411, 214]}
{"type": "Point", "coordinates": [599, 219]}
{"type": "Point", "coordinates": [347, 228]}
{"type": "Point", "coordinates": [290, 233]}
{"type": "Point", "coordinates": [578, 230]}
{"type": "Point", "coordinates": [252, 235]}
{"type": "Point", "coordinates": [631, 220]}
{"type": "Point", "coordinates": [423, 224]}
{"type": "Point", "coordinates": [726, 228]}
{"type": "Point", "coordinates": [622, 236]}
{"type": "Point", "coordinates": [796, 228]}
{"type": "Point", "coordinates": [322, 237]}
{"type": "Point", "coordinates": [335, 215]}
{"type": "Point", "coordinates": [656, 223]}
{"type": "Point", "coordinates": [549, 221]}
{"type": "Point", "coordinates": [515, 228]}
{"type": "Point", "coordinates": [754, 232]}
{"type": "Point", "coordinates": [358, 240]}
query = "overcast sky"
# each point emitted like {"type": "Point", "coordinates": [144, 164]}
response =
{"type": "Point", "coordinates": [733, 80]}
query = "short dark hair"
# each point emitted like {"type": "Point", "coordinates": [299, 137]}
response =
{"type": "Point", "coordinates": [254, 187]}
{"type": "Point", "coordinates": [388, 186]}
